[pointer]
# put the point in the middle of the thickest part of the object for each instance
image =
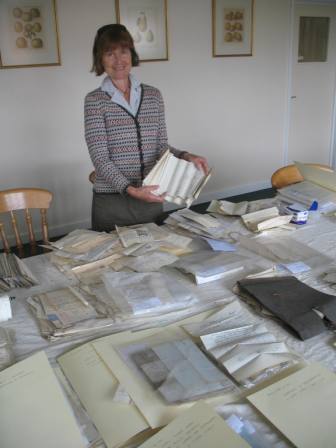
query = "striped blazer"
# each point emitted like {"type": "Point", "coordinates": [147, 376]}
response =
{"type": "Point", "coordinates": [124, 148]}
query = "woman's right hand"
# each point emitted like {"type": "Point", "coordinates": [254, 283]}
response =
{"type": "Point", "coordinates": [145, 193]}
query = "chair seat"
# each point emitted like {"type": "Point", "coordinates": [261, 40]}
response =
{"type": "Point", "coordinates": [288, 175]}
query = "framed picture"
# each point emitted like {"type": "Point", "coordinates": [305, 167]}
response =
{"type": "Point", "coordinates": [232, 27]}
{"type": "Point", "coordinates": [28, 33]}
{"type": "Point", "coordinates": [146, 20]}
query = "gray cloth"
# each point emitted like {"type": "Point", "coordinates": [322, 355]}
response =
{"type": "Point", "coordinates": [110, 209]}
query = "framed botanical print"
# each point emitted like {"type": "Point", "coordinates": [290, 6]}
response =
{"type": "Point", "coordinates": [28, 33]}
{"type": "Point", "coordinates": [146, 20]}
{"type": "Point", "coordinates": [232, 27]}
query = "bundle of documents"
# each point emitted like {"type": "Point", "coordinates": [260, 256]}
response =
{"type": "Point", "coordinates": [176, 369]}
{"type": "Point", "coordinates": [306, 193]}
{"type": "Point", "coordinates": [138, 294]}
{"type": "Point", "coordinates": [179, 180]}
{"type": "Point", "coordinates": [144, 238]}
{"type": "Point", "coordinates": [292, 255]}
{"type": "Point", "coordinates": [86, 245]}
{"type": "Point", "coordinates": [228, 208]}
{"type": "Point", "coordinates": [196, 223]}
{"type": "Point", "coordinates": [206, 266]}
{"type": "Point", "coordinates": [62, 308]}
{"type": "Point", "coordinates": [265, 219]}
{"type": "Point", "coordinates": [247, 351]}
{"type": "Point", "coordinates": [14, 273]}
{"type": "Point", "coordinates": [132, 398]}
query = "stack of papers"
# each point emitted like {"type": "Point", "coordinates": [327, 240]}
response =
{"type": "Point", "coordinates": [285, 250]}
{"type": "Point", "coordinates": [144, 294]}
{"type": "Point", "coordinates": [206, 266]}
{"type": "Point", "coordinates": [176, 369]}
{"type": "Point", "coordinates": [248, 351]}
{"type": "Point", "coordinates": [179, 180]}
{"type": "Point", "coordinates": [131, 397]}
{"type": "Point", "coordinates": [306, 193]}
{"type": "Point", "coordinates": [197, 223]}
{"type": "Point", "coordinates": [86, 245]}
{"type": "Point", "coordinates": [61, 308]}
{"type": "Point", "coordinates": [265, 219]}
{"type": "Point", "coordinates": [228, 208]}
{"type": "Point", "coordinates": [14, 273]}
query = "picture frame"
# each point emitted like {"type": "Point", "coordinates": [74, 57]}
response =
{"type": "Point", "coordinates": [28, 34]}
{"type": "Point", "coordinates": [147, 22]}
{"type": "Point", "coordinates": [232, 27]}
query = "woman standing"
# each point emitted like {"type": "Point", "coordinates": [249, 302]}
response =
{"type": "Point", "coordinates": [126, 134]}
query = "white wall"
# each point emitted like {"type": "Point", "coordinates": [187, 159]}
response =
{"type": "Point", "coordinates": [232, 110]}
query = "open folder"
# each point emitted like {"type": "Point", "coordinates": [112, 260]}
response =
{"type": "Point", "coordinates": [302, 406]}
{"type": "Point", "coordinates": [180, 180]}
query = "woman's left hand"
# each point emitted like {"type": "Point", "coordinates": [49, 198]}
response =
{"type": "Point", "coordinates": [200, 162]}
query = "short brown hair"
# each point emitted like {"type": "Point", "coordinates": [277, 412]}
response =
{"type": "Point", "coordinates": [109, 36]}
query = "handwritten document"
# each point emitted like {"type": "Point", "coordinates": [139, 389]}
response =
{"type": "Point", "coordinates": [197, 427]}
{"type": "Point", "coordinates": [302, 406]}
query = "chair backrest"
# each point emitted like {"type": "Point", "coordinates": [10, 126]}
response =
{"type": "Point", "coordinates": [92, 177]}
{"type": "Point", "coordinates": [288, 175]}
{"type": "Point", "coordinates": [24, 199]}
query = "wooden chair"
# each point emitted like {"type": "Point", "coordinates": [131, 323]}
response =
{"type": "Point", "coordinates": [288, 175]}
{"type": "Point", "coordinates": [92, 177]}
{"type": "Point", "coordinates": [24, 199]}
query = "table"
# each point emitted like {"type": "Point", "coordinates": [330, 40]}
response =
{"type": "Point", "coordinates": [319, 234]}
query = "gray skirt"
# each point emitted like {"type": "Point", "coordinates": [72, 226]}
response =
{"type": "Point", "coordinates": [111, 209]}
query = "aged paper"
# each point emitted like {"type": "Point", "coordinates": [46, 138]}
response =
{"type": "Point", "coordinates": [153, 407]}
{"type": "Point", "coordinates": [197, 427]}
{"type": "Point", "coordinates": [302, 406]}
{"type": "Point", "coordinates": [96, 387]}
{"type": "Point", "coordinates": [33, 410]}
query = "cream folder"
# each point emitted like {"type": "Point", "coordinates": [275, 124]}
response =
{"type": "Point", "coordinates": [302, 406]}
{"type": "Point", "coordinates": [156, 411]}
{"type": "Point", "coordinates": [33, 410]}
{"type": "Point", "coordinates": [95, 386]}
{"type": "Point", "coordinates": [198, 427]}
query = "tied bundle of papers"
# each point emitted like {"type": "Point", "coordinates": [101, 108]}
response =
{"type": "Point", "coordinates": [246, 350]}
{"type": "Point", "coordinates": [265, 219]}
{"type": "Point", "coordinates": [179, 180]}
{"type": "Point", "coordinates": [196, 223]}
{"type": "Point", "coordinates": [60, 309]}
{"type": "Point", "coordinates": [14, 273]}
{"type": "Point", "coordinates": [228, 208]}
{"type": "Point", "coordinates": [86, 245]}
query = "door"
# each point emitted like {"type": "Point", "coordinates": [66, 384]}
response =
{"type": "Point", "coordinates": [312, 96]}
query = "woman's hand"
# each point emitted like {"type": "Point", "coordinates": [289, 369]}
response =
{"type": "Point", "coordinates": [145, 193]}
{"type": "Point", "coordinates": [200, 162]}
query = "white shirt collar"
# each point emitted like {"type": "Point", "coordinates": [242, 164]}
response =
{"type": "Point", "coordinates": [108, 86]}
{"type": "Point", "coordinates": [118, 98]}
